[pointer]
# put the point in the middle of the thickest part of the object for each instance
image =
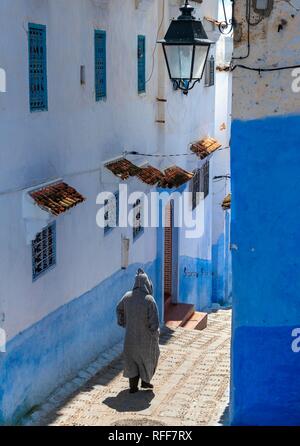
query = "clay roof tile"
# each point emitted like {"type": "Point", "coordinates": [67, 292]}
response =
{"type": "Point", "coordinates": [57, 198]}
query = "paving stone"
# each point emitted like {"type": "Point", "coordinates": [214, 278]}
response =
{"type": "Point", "coordinates": [191, 385]}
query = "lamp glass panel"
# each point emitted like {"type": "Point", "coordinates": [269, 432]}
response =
{"type": "Point", "coordinates": [200, 59]}
{"type": "Point", "coordinates": [180, 60]}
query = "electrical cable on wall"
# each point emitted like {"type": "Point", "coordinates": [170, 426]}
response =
{"type": "Point", "coordinates": [248, 14]}
{"type": "Point", "coordinates": [134, 153]}
{"type": "Point", "coordinates": [249, 23]}
{"type": "Point", "coordinates": [262, 70]}
{"type": "Point", "coordinates": [157, 155]}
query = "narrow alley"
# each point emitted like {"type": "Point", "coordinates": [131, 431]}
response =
{"type": "Point", "coordinates": [191, 386]}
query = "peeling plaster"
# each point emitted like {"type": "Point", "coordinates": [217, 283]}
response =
{"type": "Point", "coordinates": [269, 48]}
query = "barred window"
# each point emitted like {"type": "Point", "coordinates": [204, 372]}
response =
{"type": "Point", "coordinates": [44, 251]}
{"type": "Point", "coordinates": [111, 216]}
{"type": "Point", "coordinates": [138, 219]}
{"type": "Point", "coordinates": [200, 184]}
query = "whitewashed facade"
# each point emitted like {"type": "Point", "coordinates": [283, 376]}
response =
{"type": "Point", "coordinates": [61, 321]}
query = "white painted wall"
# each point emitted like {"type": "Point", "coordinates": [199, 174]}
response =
{"type": "Point", "coordinates": [77, 134]}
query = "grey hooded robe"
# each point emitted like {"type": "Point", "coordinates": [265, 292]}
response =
{"type": "Point", "coordinates": [137, 312]}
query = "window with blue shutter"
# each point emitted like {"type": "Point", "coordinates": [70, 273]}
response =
{"type": "Point", "coordinates": [44, 251]}
{"type": "Point", "coordinates": [200, 184]}
{"type": "Point", "coordinates": [210, 72]}
{"type": "Point", "coordinates": [37, 67]}
{"type": "Point", "coordinates": [141, 64]}
{"type": "Point", "coordinates": [100, 64]}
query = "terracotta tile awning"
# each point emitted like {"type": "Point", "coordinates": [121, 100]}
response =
{"type": "Point", "coordinates": [205, 147]}
{"type": "Point", "coordinates": [57, 198]}
{"type": "Point", "coordinates": [123, 168]}
{"type": "Point", "coordinates": [175, 177]}
{"type": "Point", "coordinates": [172, 177]}
{"type": "Point", "coordinates": [150, 175]}
{"type": "Point", "coordinates": [226, 205]}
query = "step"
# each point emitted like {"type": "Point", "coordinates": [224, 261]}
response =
{"type": "Point", "coordinates": [178, 314]}
{"type": "Point", "coordinates": [198, 321]}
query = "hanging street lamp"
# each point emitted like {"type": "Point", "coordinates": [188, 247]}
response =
{"type": "Point", "coordinates": [186, 47]}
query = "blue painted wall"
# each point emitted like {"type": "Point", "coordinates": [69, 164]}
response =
{"type": "Point", "coordinates": [53, 350]}
{"type": "Point", "coordinates": [266, 264]}
{"type": "Point", "coordinates": [218, 256]}
{"type": "Point", "coordinates": [221, 264]}
{"type": "Point", "coordinates": [195, 282]}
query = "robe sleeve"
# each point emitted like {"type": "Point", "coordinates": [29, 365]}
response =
{"type": "Point", "coordinates": [153, 317]}
{"type": "Point", "coordinates": [121, 313]}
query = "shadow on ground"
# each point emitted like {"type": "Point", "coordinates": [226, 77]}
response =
{"type": "Point", "coordinates": [224, 419]}
{"type": "Point", "coordinates": [126, 402]}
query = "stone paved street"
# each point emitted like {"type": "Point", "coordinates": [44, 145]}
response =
{"type": "Point", "coordinates": [191, 385]}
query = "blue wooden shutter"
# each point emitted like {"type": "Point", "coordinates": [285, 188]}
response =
{"type": "Point", "coordinates": [100, 64]}
{"type": "Point", "coordinates": [37, 67]}
{"type": "Point", "coordinates": [141, 64]}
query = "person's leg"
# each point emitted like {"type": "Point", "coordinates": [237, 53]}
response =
{"type": "Point", "coordinates": [133, 384]}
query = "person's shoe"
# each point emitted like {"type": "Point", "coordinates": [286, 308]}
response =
{"type": "Point", "coordinates": [146, 385]}
{"type": "Point", "coordinates": [133, 390]}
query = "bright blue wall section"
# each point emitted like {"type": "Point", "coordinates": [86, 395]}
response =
{"type": "Point", "coordinates": [195, 282]}
{"type": "Point", "coordinates": [218, 258]}
{"type": "Point", "coordinates": [54, 349]}
{"type": "Point", "coordinates": [266, 377]}
{"type": "Point", "coordinates": [266, 264]}
{"type": "Point", "coordinates": [221, 264]}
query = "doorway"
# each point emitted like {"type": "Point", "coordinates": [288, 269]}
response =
{"type": "Point", "coordinates": [170, 260]}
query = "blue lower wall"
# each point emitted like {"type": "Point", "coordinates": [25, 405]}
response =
{"type": "Point", "coordinates": [195, 282]}
{"type": "Point", "coordinates": [221, 264]}
{"type": "Point", "coordinates": [53, 350]}
{"type": "Point", "coordinates": [265, 384]}
{"type": "Point", "coordinates": [218, 258]}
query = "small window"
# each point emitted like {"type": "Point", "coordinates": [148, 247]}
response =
{"type": "Point", "coordinates": [138, 219]}
{"type": "Point", "coordinates": [210, 72]}
{"type": "Point", "coordinates": [100, 65]}
{"type": "Point", "coordinates": [195, 188]}
{"type": "Point", "coordinates": [44, 251]}
{"type": "Point", "coordinates": [38, 95]}
{"type": "Point", "coordinates": [111, 215]}
{"type": "Point", "coordinates": [141, 64]}
{"type": "Point", "coordinates": [205, 179]}
{"type": "Point", "coordinates": [200, 184]}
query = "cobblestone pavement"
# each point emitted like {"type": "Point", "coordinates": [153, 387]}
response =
{"type": "Point", "coordinates": [191, 385]}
